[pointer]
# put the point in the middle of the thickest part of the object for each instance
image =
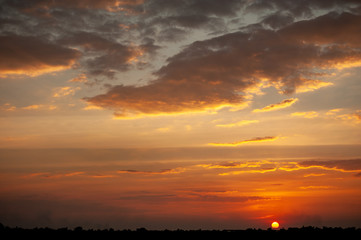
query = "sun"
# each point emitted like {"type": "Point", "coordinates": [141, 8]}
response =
{"type": "Point", "coordinates": [275, 225]}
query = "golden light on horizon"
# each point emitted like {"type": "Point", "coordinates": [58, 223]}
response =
{"type": "Point", "coordinates": [180, 115]}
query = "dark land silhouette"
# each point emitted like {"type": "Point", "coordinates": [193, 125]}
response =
{"type": "Point", "coordinates": [290, 233]}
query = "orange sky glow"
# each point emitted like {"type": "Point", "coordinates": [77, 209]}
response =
{"type": "Point", "coordinates": [180, 114]}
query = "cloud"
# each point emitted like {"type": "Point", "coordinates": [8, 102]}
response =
{"type": "Point", "coordinates": [315, 187]}
{"type": "Point", "coordinates": [108, 37]}
{"type": "Point", "coordinates": [300, 8]}
{"type": "Point", "coordinates": [7, 107]}
{"type": "Point", "coordinates": [238, 124]}
{"type": "Point", "coordinates": [331, 28]}
{"type": "Point", "coordinates": [162, 172]}
{"type": "Point", "coordinates": [43, 7]}
{"type": "Point", "coordinates": [335, 165]}
{"type": "Point", "coordinates": [273, 107]}
{"type": "Point", "coordinates": [81, 78]}
{"type": "Point", "coordinates": [348, 116]}
{"type": "Point", "coordinates": [194, 7]}
{"type": "Point", "coordinates": [234, 168]}
{"type": "Point", "coordinates": [220, 71]}
{"type": "Point", "coordinates": [40, 107]}
{"type": "Point", "coordinates": [90, 28]}
{"type": "Point", "coordinates": [334, 111]}
{"type": "Point", "coordinates": [106, 56]}
{"type": "Point", "coordinates": [354, 117]}
{"type": "Point", "coordinates": [311, 114]}
{"type": "Point", "coordinates": [252, 140]}
{"type": "Point", "coordinates": [312, 85]}
{"type": "Point", "coordinates": [33, 56]}
{"type": "Point", "coordinates": [53, 175]}
{"type": "Point", "coordinates": [64, 91]}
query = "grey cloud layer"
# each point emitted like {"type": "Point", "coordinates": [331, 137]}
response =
{"type": "Point", "coordinates": [219, 71]}
{"type": "Point", "coordinates": [106, 38]}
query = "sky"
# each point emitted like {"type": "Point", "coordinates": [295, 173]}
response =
{"type": "Point", "coordinates": [180, 113]}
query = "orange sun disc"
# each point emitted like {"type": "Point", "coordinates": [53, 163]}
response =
{"type": "Point", "coordinates": [275, 225]}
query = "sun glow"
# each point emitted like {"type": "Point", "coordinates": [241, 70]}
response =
{"type": "Point", "coordinates": [275, 225]}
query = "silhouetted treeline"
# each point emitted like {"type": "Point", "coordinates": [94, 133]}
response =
{"type": "Point", "coordinates": [293, 233]}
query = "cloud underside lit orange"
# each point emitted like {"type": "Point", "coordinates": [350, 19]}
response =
{"type": "Point", "coordinates": [32, 56]}
{"type": "Point", "coordinates": [252, 140]}
{"type": "Point", "coordinates": [292, 59]}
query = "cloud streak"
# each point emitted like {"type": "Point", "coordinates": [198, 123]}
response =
{"type": "Point", "coordinates": [311, 114]}
{"type": "Point", "coordinates": [252, 140]}
{"type": "Point", "coordinates": [273, 107]}
{"type": "Point", "coordinates": [237, 124]}
{"type": "Point", "coordinates": [161, 172]}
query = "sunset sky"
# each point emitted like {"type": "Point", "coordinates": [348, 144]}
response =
{"type": "Point", "coordinates": [174, 114]}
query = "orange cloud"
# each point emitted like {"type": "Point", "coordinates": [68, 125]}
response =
{"type": "Point", "coordinates": [283, 104]}
{"type": "Point", "coordinates": [312, 85]}
{"type": "Point", "coordinates": [235, 168]}
{"type": "Point", "coordinates": [311, 114]}
{"type": "Point", "coordinates": [65, 91]}
{"type": "Point", "coordinates": [7, 107]}
{"type": "Point", "coordinates": [252, 140]}
{"type": "Point", "coordinates": [334, 165]}
{"type": "Point", "coordinates": [333, 112]}
{"type": "Point", "coordinates": [40, 107]}
{"type": "Point", "coordinates": [81, 78]}
{"type": "Point", "coordinates": [354, 117]}
{"type": "Point", "coordinates": [315, 187]}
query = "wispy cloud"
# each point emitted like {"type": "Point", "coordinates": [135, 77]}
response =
{"type": "Point", "coordinates": [273, 107]}
{"type": "Point", "coordinates": [40, 107]}
{"type": "Point", "coordinates": [237, 124]}
{"type": "Point", "coordinates": [7, 107]}
{"type": "Point", "coordinates": [311, 114]}
{"type": "Point", "coordinates": [252, 140]}
{"type": "Point", "coordinates": [161, 172]}
{"type": "Point", "coordinates": [64, 91]}
{"type": "Point", "coordinates": [53, 175]}
{"type": "Point", "coordinates": [312, 85]}
{"type": "Point", "coordinates": [354, 117]}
